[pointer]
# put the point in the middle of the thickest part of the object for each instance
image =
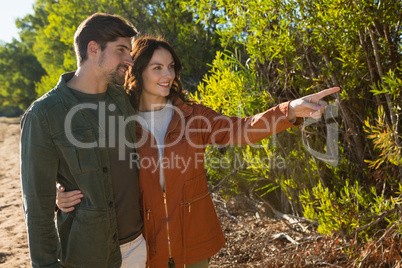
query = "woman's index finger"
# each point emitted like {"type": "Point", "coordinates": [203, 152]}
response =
{"type": "Point", "coordinates": [319, 95]}
{"type": "Point", "coordinates": [325, 92]}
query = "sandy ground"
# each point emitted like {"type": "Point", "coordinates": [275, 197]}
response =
{"type": "Point", "coordinates": [13, 237]}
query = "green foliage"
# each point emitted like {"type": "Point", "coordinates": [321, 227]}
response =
{"type": "Point", "coordinates": [48, 82]}
{"type": "Point", "coordinates": [385, 137]}
{"type": "Point", "coordinates": [231, 88]}
{"type": "Point", "coordinates": [19, 70]}
{"type": "Point", "coordinates": [392, 85]}
{"type": "Point", "coordinates": [10, 111]}
{"type": "Point", "coordinates": [384, 142]}
{"type": "Point", "coordinates": [295, 48]}
{"type": "Point", "coordinates": [352, 208]}
{"type": "Point", "coordinates": [31, 23]}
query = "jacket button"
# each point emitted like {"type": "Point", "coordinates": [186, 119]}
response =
{"type": "Point", "coordinates": [105, 170]}
{"type": "Point", "coordinates": [111, 204]}
{"type": "Point", "coordinates": [115, 237]}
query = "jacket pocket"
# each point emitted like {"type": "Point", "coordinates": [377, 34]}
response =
{"type": "Point", "coordinates": [84, 237]}
{"type": "Point", "coordinates": [78, 150]}
{"type": "Point", "coordinates": [199, 220]}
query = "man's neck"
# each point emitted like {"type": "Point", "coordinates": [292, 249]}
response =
{"type": "Point", "coordinates": [86, 80]}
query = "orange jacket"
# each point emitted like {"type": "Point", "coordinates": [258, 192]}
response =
{"type": "Point", "coordinates": [181, 223]}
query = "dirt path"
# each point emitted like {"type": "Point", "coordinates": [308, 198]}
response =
{"type": "Point", "coordinates": [13, 239]}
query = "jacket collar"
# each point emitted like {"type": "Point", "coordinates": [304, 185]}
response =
{"type": "Point", "coordinates": [66, 96]}
{"type": "Point", "coordinates": [184, 111]}
{"type": "Point", "coordinates": [69, 100]}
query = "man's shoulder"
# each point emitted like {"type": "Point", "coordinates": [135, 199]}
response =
{"type": "Point", "coordinates": [53, 98]}
{"type": "Point", "coordinates": [45, 103]}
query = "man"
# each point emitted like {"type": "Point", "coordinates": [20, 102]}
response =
{"type": "Point", "coordinates": [80, 134]}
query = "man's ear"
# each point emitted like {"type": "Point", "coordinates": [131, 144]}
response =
{"type": "Point", "coordinates": [93, 49]}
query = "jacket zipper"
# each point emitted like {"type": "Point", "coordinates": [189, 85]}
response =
{"type": "Point", "coordinates": [167, 225]}
{"type": "Point", "coordinates": [194, 200]}
{"type": "Point", "coordinates": [148, 212]}
{"type": "Point", "coordinates": [166, 209]}
{"type": "Point", "coordinates": [165, 202]}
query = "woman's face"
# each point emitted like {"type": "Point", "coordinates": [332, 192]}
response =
{"type": "Point", "coordinates": [158, 76]}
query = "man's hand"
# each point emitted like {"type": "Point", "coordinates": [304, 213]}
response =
{"type": "Point", "coordinates": [67, 200]}
{"type": "Point", "coordinates": [310, 105]}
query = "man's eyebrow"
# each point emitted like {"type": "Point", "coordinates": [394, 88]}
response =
{"type": "Point", "coordinates": [124, 46]}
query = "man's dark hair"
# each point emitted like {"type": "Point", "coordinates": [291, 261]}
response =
{"type": "Point", "coordinates": [101, 28]}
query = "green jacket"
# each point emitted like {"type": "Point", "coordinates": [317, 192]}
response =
{"type": "Point", "coordinates": [87, 237]}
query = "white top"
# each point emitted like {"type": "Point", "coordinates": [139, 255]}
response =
{"type": "Point", "coordinates": [157, 123]}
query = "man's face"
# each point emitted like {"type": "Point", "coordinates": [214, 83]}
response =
{"type": "Point", "coordinates": [115, 60]}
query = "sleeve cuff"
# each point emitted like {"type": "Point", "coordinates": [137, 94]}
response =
{"type": "Point", "coordinates": [297, 121]}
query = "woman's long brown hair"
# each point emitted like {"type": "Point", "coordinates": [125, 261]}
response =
{"type": "Point", "coordinates": [143, 50]}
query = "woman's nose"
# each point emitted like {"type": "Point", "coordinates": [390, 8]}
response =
{"type": "Point", "coordinates": [169, 73]}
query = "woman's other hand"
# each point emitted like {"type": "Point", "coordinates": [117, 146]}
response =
{"type": "Point", "coordinates": [67, 200]}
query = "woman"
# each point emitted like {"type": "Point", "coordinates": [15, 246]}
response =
{"type": "Point", "coordinates": [180, 223]}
